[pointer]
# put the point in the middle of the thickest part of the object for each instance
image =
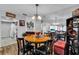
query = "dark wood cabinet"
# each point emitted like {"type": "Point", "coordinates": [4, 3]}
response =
{"type": "Point", "coordinates": [73, 24]}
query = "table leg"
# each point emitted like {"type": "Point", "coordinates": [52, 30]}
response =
{"type": "Point", "coordinates": [35, 49]}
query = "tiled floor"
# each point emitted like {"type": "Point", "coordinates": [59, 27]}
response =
{"type": "Point", "coordinates": [9, 50]}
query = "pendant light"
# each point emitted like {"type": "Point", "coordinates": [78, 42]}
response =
{"type": "Point", "coordinates": [36, 16]}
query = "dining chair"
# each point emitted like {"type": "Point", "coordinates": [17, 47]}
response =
{"type": "Point", "coordinates": [30, 33]}
{"type": "Point", "coordinates": [50, 43]}
{"type": "Point", "coordinates": [22, 47]}
{"type": "Point", "coordinates": [42, 50]}
{"type": "Point", "coordinates": [59, 47]}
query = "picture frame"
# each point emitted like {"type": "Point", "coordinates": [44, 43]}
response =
{"type": "Point", "coordinates": [21, 22]}
{"type": "Point", "coordinates": [30, 25]}
{"type": "Point", "coordinates": [9, 14]}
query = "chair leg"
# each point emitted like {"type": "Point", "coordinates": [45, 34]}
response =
{"type": "Point", "coordinates": [18, 52]}
{"type": "Point", "coordinates": [27, 53]}
{"type": "Point", "coordinates": [30, 52]}
{"type": "Point", "coordinates": [39, 44]}
{"type": "Point", "coordinates": [23, 51]}
{"type": "Point", "coordinates": [50, 48]}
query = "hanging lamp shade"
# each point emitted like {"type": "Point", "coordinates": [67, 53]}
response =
{"type": "Point", "coordinates": [36, 16]}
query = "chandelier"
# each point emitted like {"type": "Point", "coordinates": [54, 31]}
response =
{"type": "Point", "coordinates": [36, 16]}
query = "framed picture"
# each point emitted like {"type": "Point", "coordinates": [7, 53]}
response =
{"type": "Point", "coordinates": [21, 22]}
{"type": "Point", "coordinates": [8, 14]}
{"type": "Point", "coordinates": [30, 25]}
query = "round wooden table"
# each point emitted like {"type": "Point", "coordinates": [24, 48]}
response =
{"type": "Point", "coordinates": [35, 40]}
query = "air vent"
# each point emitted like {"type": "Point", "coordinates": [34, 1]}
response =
{"type": "Point", "coordinates": [24, 14]}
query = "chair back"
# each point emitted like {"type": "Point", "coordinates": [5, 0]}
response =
{"type": "Point", "coordinates": [20, 43]}
{"type": "Point", "coordinates": [30, 33]}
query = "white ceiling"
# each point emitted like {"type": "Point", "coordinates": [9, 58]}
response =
{"type": "Point", "coordinates": [29, 9]}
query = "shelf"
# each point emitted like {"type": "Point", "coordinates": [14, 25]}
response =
{"type": "Point", "coordinates": [9, 21]}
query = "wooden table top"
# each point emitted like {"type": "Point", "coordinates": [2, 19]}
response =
{"type": "Point", "coordinates": [34, 39]}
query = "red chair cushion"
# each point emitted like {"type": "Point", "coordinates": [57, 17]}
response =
{"type": "Point", "coordinates": [59, 47]}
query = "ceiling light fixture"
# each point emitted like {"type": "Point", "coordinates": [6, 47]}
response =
{"type": "Point", "coordinates": [36, 16]}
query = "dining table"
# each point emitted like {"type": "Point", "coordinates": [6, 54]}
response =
{"type": "Point", "coordinates": [36, 39]}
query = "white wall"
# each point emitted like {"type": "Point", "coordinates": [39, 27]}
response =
{"type": "Point", "coordinates": [49, 20]}
{"type": "Point", "coordinates": [21, 29]}
{"type": "Point", "coordinates": [1, 13]}
{"type": "Point", "coordinates": [0, 31]}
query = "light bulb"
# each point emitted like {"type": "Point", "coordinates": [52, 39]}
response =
{"type": "Point", "coordinates": [33, 17]}
{"type": "Point", "coordinates": [39, 17]}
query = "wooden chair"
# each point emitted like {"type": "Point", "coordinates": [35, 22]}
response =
{"type": "Point", "coordinates": [30, 33]}
{"type": "Point", "coordinates": [22, 47]}
{"type": "Point", "coordinates": [42, 50]}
